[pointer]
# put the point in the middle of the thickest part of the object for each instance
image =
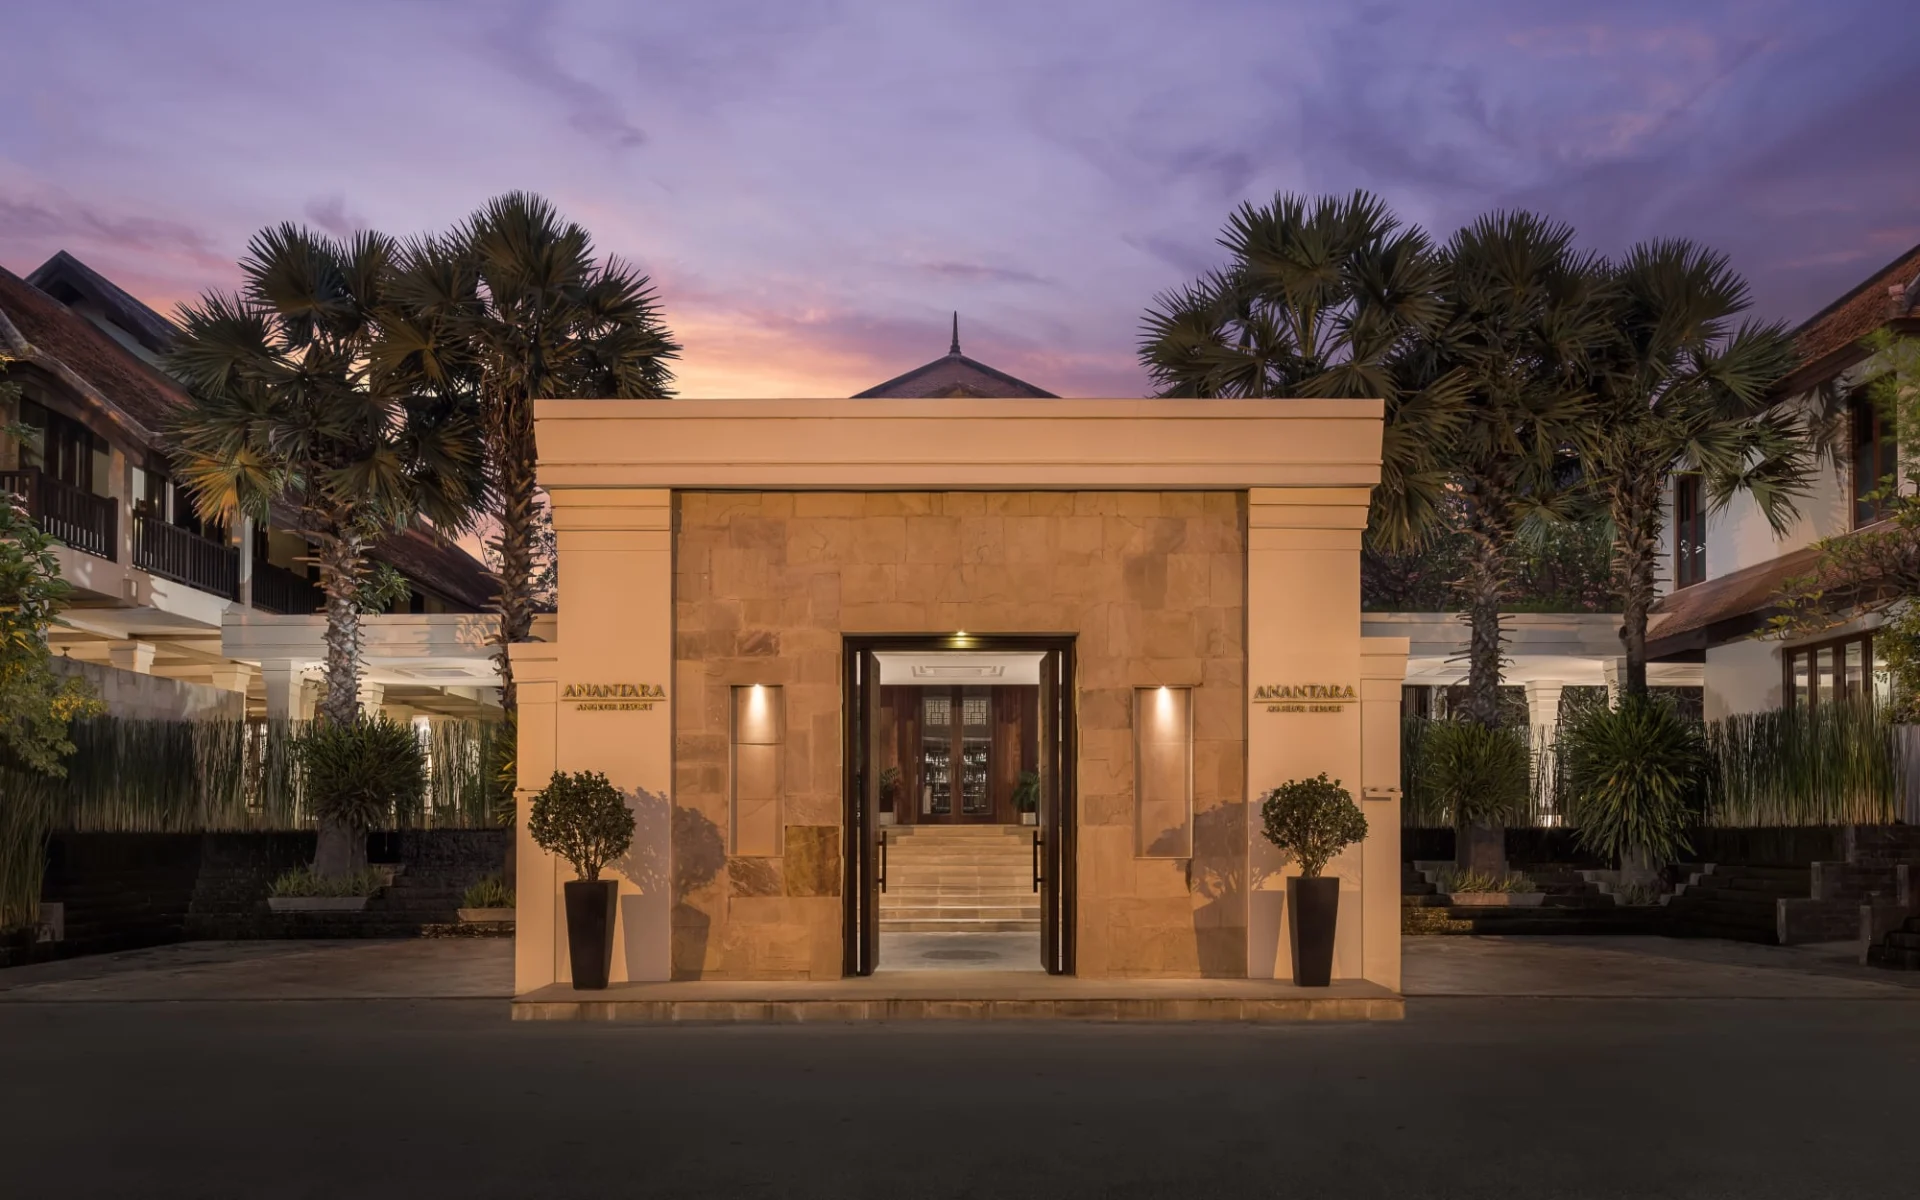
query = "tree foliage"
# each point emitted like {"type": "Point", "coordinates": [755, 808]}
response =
{"type": "Point", "coordinates": [364, 773]}
{"type": "Point", "coordinates": [1312, 820]}
{"type": "Point", "coordinates": [1477, 774]}
{"type": "Point", "coordinates": [517, 304]}
{"type": "Point", "coordinates": [1680, 390]}
{"type": "Point", "coordinates": [1323, 297]}
{"type": "Point", "coordinates": [290, 405]}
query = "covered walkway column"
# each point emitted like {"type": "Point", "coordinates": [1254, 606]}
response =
{"type": "Point", "coordinates": [1543, 720]}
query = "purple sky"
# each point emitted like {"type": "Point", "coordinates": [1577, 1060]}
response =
{"type": "Point", "coordinates": [814, 185]}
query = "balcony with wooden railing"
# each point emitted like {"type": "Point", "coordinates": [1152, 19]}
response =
{"type": "Point", "coordinates": [79, 518]}
{"type": "Point", "coordinates": [278, 590]}
{"type": "Point", "coordinates": [186, 557]}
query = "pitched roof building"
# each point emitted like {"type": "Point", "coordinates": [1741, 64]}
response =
{"type": "Point", "coordinates": [954, 375]}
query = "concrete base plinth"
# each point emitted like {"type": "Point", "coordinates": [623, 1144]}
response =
{"type": "Point", "coordinates": [964, 996]}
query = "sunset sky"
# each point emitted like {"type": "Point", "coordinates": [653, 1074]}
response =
{"type": "Point", "coordinates": [814, 186]}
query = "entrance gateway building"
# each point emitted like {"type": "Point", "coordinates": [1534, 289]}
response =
{"type": "Point", "coordinates": [931, 675]}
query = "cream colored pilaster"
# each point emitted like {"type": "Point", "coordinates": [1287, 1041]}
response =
{"type": "Point", "coordinates": [616, 628]}
{"type": "Point", "coordinates": [1383, 672]}
{"type": "Point", "coordinates": [1303, 627]}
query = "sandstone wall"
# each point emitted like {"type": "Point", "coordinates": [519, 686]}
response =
{"type": "Point", "coordinates": [1153, 587]}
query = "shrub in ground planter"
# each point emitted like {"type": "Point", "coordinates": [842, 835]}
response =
{"type": "Point", "coordinates": [1632, 773]}
{"type": "Point", "coordinates": [1312, 820]}
{"type": "Point", "coordinates": [1479, 774]}
{"type": "Point", "coordinates": [584, 819]}
{"type": "Point", "coordinates": [487, 902]}
{"type": "Point", "coordinates": [305, 890]}
{"type": "Point", "coordinates": [359, 774]}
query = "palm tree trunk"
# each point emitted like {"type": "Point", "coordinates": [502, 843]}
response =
{"type": "Point", "coordinates": [1484, 587]}
{"type": "Point", "coordinates": [340, 850]}
{"type": "Point", "coordinates": [1636, 522]}
{"type": "Point", "coordinates": [514, 454]}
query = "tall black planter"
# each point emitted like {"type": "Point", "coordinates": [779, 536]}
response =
{"type": "Point", "coordinates": [1313, 908]}
{"type": "Point", "coordinates": [590, 930]}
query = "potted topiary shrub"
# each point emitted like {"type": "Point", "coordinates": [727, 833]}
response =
{"type": "Point", "coordinates": [1312, 820]}
{"type": "Point", "coordinates": [1026, 797]}
{"type": "Point", "coordinates": [584, 819]}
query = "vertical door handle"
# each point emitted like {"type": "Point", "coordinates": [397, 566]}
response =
{"type": "Point", "coordinates": [1036, 860]}
{"type": "Point", "coordinates": [883, 860]}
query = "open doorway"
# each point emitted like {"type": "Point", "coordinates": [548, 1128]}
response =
{"type": "Point", "coordinates": [959, 804]}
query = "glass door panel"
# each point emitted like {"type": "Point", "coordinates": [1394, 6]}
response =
{"type": "Point", "coordinates": [976, 752]}
{"type": "Point", "coordinates": [936, 754]}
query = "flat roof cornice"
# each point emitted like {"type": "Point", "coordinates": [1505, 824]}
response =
{"type": "Point", "coordinates": [883, 444]}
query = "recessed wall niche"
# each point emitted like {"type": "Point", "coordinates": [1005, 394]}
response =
{"type": "Point", "coordinates": [1163, 772]}
{"type": "Point", "coordinates": [759, 738]}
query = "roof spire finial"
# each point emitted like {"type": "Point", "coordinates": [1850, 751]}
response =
{"type": "Point", "coordinates": [955, 348]}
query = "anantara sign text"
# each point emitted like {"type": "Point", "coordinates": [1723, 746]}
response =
{"type": "Point", "coordinates": [614, 697]}
{"type": "Point", "coordinates": [1304, 697]}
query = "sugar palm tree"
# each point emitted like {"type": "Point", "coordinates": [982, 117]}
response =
{"type": "Point", "coordinates": [1680, 390]}
{"type": "Point", "coordinates": [1527, 318]}
{"type": "Point", "coordinates": [516, 302]}
{"type": "Point", "coordinates": [1326, 297]}
{"type": "Point", "coordinates": [288, 406]}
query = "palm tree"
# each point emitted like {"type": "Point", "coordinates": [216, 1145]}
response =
{"type": "Point", "coordinates": [287, 405]}
{"type": "Point", "coordinates": [1527, 317]}
{"type": "Point", "coordinates": [1329, 297]}
{"type": "Point", "coordinates": [1680, 391]}
{"type": "Point", "coordinates": [515, 302]}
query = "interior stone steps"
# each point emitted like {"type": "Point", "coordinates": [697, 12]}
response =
{"type": "Point", "coordinates": [959, 879]}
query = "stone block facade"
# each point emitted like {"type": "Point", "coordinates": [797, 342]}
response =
{"type": "Point", "coordinates": [1152, 587]}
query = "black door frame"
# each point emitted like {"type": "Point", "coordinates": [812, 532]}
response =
{"type": "Point", "coordinates": [859, 856]}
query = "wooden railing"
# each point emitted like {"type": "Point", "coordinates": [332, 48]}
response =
{"type": "Point", "coordinates": [185, 557]}
{"type": "Point", "coordinates": [278, 590]}
{"type": "Point", "coordinates": [78, 518]}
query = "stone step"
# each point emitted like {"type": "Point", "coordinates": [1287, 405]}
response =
{"type": "Point", "coordinates": [922, 925]}
{"type": "Point", "coordinates": [1029, 912]}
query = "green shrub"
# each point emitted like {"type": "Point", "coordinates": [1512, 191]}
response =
{"type": "Point", "coordinates": [1468, 880]}
{"type": "Point", "coordinates": [1313, 820]}
{"type": "Point", "coordinates": [1632, 774]}
{"type": "Point", "coordinates": [582, 818]}
{"type": "Point", "coordinates": [1836, 764]}
{"type": "Point", "coordinates": [1026, 793]}
{"type": "Point", "coordinates": [360, 775]}
{"type": "Point", "coordinates": [302, 881]}
{"type": "Point", "coordinates": [1480, 775]}
{"type": "Point", "coordinates": [491, 892]}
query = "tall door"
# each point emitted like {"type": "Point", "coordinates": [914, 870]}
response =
{"type": "Point", "coordinates": [956, 769]}
{"type": "Point", "coordinates": [1053, 848]}
{"type": "Point", "coordinates": [865, 838]}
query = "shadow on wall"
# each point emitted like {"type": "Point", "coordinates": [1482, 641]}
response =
{"type": "Point", "coordinates": [699, 855]}
{"type": "Point", "coordinates": [674, 850]}
{"type": "Point", "coordinates": [1219, 875]}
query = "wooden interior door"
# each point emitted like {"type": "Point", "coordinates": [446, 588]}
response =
{"type": "Point", "coordinates": [955, 771]}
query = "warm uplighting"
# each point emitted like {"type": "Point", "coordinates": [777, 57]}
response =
{"type": "Point", "coordinates": [1163, 772]}
{"type": "Point", "coordinates": [757, 786]}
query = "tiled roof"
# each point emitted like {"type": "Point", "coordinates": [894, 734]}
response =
{"type": "Point", "coordinates": [439, 565]}
{"type": "Point", "coordinates": [65, 344]}
{"type": "Point", "coordinates": [1742, 596]}
{"type": "Point", "coordinates": [954, 375]}
{"type": "Point", "coordinates": [63, 274]}
{"type": "Point", "coordinates": [1829, 340]}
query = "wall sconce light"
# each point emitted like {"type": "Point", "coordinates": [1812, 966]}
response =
{"type": "Point", "coordinates": [1163, 772]}
{"type": "Point", "coordinates": [759, 739]}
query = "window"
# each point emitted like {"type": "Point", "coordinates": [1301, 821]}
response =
{"type": "Point", "coordinates": [1843, 669]}
{"type": "Point", "coordinates": [1874, 463]}
{"type": "Point", "coordinates": [60, 446]}
{"type": "Point", "coordinates": [1689, 532]}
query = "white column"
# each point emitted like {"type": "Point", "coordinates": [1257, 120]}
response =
{"type": "Point", "coordinates": [246, 562]}
{"type": "Point", "coordinates": [1615, 672]}
{"type": "Point", "coordinates": [371, 694]}
{"type": "Point", "coordinates": [286, 690]}
{"type": "Point", "coordinates": [233, 676]}
{"type": "Point", "coordinates": [132, 656]}
{"type": "Point", "coordinates": [1543, 716]}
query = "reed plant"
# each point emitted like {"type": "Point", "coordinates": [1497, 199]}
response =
{"type": "Point", "coordinates": [1840, 763]}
